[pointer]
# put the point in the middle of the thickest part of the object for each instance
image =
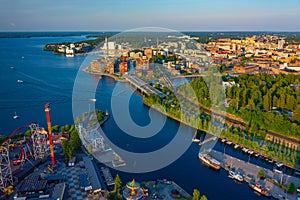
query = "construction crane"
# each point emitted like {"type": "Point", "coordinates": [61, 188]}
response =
{"type": "Point", "coordinates": [47, 110]}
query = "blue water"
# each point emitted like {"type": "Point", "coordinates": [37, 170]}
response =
{"type": "Point", "coordinates": [50, 78]}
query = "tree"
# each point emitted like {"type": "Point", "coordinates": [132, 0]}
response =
{"type": "Point", "coordinates": [261, 174]}
{"type": "Point", "coordinates": [203, 197]}
{"type": "Point", "coordinates": [55, 128]}
{"type": "Point", "coordinates": [67, 150]}
{"type": "Point", "coordinates": [77, 120]}
{"type": "Point", "coordinates": [118, 183]}
{"type": "Point", "coordinates": [291, 102]}
{"type": "Point", "coordinates": [196, 194]}
{"type": "Point", "coordinates": [296, 114]}
{"type": "Point", "coordinates": [28, 133]}
{"type": "Point", "coordinates": [291, 188]}
{"type": "Point", "coordinates": [75, 140]}
{"type": "Point", "coordinates": [64, 146]}
{"type": "Point", "coordinates": [90, 149]}
{"type": "Point", "coordinates": [266, 103]}
{"type": "Point", "coordinates": [114, 196]}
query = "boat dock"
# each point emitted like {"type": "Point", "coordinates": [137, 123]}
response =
{"type": "Point", "coordinates": [249, 171]}
{"type": "Point", "coordinates": [208, 140]}
{"type": "Point", "coordinates": [107, 176]}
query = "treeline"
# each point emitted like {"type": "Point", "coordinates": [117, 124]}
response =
{"type": "Point", "coordinates": [268, 148]}
{"type": "Point", "coordinates": [93, 43]}
{"type": "Point", "coordinates": [270, 102]}
{"type": "Point", "coordinates": [74, 143]}
{"type": "Point", "coordinates": [267, 102]}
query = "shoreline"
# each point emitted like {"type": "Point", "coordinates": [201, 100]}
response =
{"type": "Point", "coordinates": [87, 70]}
{"type": "Point", "coordinates": [181, 121]}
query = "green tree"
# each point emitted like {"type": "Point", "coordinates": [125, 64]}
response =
{"type": "Point", "coordinates": [90, 149]}
{"type": "Point", "coordinates": [296, 114]}
{"type": "Point", "coordinates": [67, 150]}
{"type": "Point", "coordinates": [67, 127]}
{"type": "Point", "coordinates": [196, 194]}
{"type": "Point", "coordinates": [261, 174]}
{"type": "Point", "coordinates": [77, 120]}
{"type": "Point", "coordinates": [28, 133]}
{"type": "Point", "coordinates": [75, 140]}
{"type": "Point", "coordinates": [203, 197]}
{"type": "Point", "coordinates": [267, 102]}
{"type": "Point", "coordinates": [64, 146]}
{"type": "Point", "coordinates": [114, 196]}
{"type": "Point", "coordinates": [118, 183]}
{"type": "Point", "coordinates": [291, 102]}
{"type": "Point", "coordinates": [55, 128]}
{"type": "Point", "coordinates": [291, 188]}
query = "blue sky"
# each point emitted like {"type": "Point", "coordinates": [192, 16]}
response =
{"type": "Point", "coordinates": [119, 15]}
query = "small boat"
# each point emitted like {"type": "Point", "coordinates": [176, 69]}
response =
{"type": "Point", "coordinates": [279, 164]}
{"type": "Point", "coordinates": [236, 146]}
{"type": "Point", "coordinates": [245, 150]}
{"type": "Point", "coordinates": [250, 152]}
{"type": "Point", "coordinates": [15, 116]}
{"type": "Point", "coordinates": [229, 142]}
{"type": "Point", "coordinates": [238, 177]}
{"type": "Point", "coordinates": [12, 68]}
{"type": "Point", "coordinates": [260, 190]}
{"type": "Point", "coordinates": [257, 155]}
{"type": "Point", "coordinates": [231, 173]}
{"type": "Point", "coordinates": [93, 100]}
{"type": "Point", "coordinates": [223, 140]}
{"type": "Point", "coordinates": [194, 138]}
{"type": "Point", "coordinates": [19, 81]}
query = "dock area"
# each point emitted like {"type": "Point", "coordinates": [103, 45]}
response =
{"type": "Point", "coordinates": [165, 189]}
{"type": "Point", "coordinates": [107, 176]}
{"type": "Point", "coordinates": [207, 141]}
{"type": "Point", "coordinates": [247, 169]}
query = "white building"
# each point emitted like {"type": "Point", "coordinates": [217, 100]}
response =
{"type": "Point", "coordinates": [281, 44]}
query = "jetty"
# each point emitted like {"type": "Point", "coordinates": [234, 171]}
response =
{"type": "Point", "coordinates": [249, 172]}
{"type": "Point", "coordinates": [207, 140]}
{"type": "Point", "coordinates": [107, 176]}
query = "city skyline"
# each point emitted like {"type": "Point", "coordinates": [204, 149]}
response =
{"type": "Point", "coordinates": [117, 15]}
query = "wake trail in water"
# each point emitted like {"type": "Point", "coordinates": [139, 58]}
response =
{"type": "Point", "coordinates": [40, 81]}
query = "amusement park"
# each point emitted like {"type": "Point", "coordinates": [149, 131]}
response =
{"type": "Point", "coordinates": [36, 165]}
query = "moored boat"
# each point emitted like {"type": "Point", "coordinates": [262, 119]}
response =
{"type": "Point", "coordinates": [209, 161]}
{"type": "Point", "coordinates": [260, 190]}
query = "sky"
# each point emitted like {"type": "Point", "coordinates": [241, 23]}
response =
{"type": "Point", "coordinates": [121, 15]}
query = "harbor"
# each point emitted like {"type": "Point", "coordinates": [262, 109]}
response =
{"type": "Point", "coordinates": [249, 173]}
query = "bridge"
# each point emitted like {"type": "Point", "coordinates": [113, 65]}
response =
{"type": "Point", "coordinates": [143, 86]}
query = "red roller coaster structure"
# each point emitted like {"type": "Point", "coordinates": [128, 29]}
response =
{"type": "Point", "coordinates": [39, 145]}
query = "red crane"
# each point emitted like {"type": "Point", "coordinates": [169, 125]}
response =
{"type": "Point", "coordinates": [47, 110]}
